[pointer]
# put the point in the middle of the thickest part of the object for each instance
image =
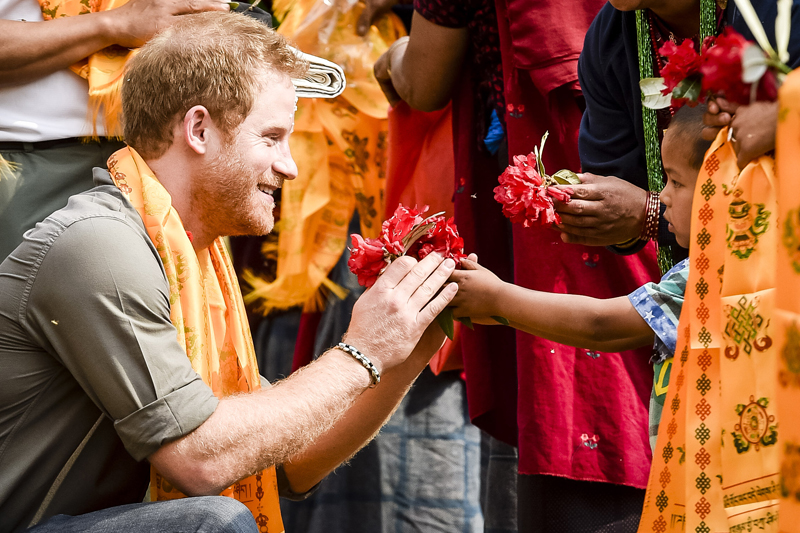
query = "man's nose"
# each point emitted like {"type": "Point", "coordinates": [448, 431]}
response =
{"type": "Point", "coordinates": [286, 167]}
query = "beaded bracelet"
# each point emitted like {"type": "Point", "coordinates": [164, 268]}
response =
{"type": "Point", "coordinates": [651, 214]}
{"type": "Point", "coordinates": [375, 376]}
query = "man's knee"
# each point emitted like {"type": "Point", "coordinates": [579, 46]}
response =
{"type": "Point", "coordinates": [224, 515]}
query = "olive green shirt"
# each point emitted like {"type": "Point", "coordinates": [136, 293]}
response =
{"type": "Point", "coordinates": [92, 378]}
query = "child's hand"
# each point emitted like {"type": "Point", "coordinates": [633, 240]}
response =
{"type": "Point", "coordinates": [478, 290]}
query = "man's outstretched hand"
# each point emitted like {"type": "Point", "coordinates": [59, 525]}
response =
{"type": "Point", "coordinates": [390, 318]}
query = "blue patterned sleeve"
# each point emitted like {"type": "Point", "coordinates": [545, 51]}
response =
{"type": "Point", "coordinates": [659, 304]}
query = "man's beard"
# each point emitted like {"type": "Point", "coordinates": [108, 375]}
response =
{"type": "Point", "coordinates": [226, 194]}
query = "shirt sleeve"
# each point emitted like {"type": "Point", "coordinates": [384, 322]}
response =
{"type": "Point", "coordinates": [659, 304]}
{"type": "Point", "coordinates": [608, 140]}
{"type": "Point", "coordinates": [100, 306]}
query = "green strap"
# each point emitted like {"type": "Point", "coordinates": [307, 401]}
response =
{"type": "Point", "coordinates": [655, 172]}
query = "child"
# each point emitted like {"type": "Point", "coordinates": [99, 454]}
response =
{"type": "Point", "coordinates": [615, 324]}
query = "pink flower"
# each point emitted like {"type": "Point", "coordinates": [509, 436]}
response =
{"type": "Point", "coordinates": [369, 257]}
{"type": "Point", "coordinates": [682, 62]}
{"type": "Point", "coordinates": [525, 197]}
{"type": "Point", "coordinates": [442, 238]}
{"type": "Point", "coordinates": [367, 260]}
{"type": "Point", "coordinates": [722, 68]}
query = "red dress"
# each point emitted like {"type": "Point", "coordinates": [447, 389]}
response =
{"type": "Point", "coordinates": [573, 413]}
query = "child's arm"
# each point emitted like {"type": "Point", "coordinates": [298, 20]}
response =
{"type": "Point", "coordinates": [605, 325]}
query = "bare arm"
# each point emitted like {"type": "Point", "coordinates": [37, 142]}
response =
{"type": "Point", "coordinates": [580, 321]}
{"type": "Point", "coordinates": [321, 415]}
{"type": "Point", "coordinates": [422, 69]}
{"type": "Point", "coordinates": [30, 50]}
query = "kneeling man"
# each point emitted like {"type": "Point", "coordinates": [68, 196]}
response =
{"type": "Point", "coordinates": [105, 299]}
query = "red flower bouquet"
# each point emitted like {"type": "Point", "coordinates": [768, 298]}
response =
{"type": "Point", "coordinates": [729, 66]}
{"type": "Point", "coordinates": [526, 191]}
{"type": "Point", "coordinates": [405, 233]}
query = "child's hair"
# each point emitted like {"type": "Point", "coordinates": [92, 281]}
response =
{"type": "Point", "coordinates": [688, 125]}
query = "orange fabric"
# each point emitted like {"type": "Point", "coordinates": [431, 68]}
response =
{"type": "Point", "coordinates": [421, 166]}
{"type": "Point", "coordinates": [715, 468]}
{"type": "Point", "coordinates": [206, 308]}
{"type": "Point", "coordinates": [103, 69]}
{"type": "Point", "coordinates": [787, 299]}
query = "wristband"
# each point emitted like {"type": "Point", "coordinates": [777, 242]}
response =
{"type": "Point", "coordinates": [375, 376]}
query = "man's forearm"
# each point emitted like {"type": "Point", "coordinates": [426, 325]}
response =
{"type": "Point", "coordinates": [250, 432]}
{"type": "Point", "coordinates": [356, 428]}
{"type": "Point", "coordinates": [30, 50]}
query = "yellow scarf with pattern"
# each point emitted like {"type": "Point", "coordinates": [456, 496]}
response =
{"type": "Point", "coordinates": [206, 308]}
{"type": "Point", "coordinates": [339, 146]}
{"type": "Point", "coordinates": [103, 69]}
{"type": "Point", "coordinates": [716, 464]}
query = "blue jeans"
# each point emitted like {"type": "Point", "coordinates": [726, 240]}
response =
{"type": "Point", "coordinates": [208, 514]}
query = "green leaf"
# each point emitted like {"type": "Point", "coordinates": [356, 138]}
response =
{"type": "Point", "coordinates": [445, 321]}
{"type": "Point", "coordinates": [540, 154]}
{"type": "Point", "coordinates": [501, 320]}
{"type": "Point", "coordinates": [234, 5]}
{"type": "Point", "coordinates": [651, 93]}
{"type": "Point", "coordinates": [566, 177]}
{"type": "Point", "coordinates": [689, 88]}
{"type": "Point", "coordinates": [467, 321]}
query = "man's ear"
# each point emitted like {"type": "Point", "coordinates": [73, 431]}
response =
{"type": "Point", "coordinates": [198, 129]}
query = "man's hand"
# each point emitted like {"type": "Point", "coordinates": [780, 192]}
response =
{"type": "Point", "coordinates": [390, 318]}
{"type": "Point", "coordinates": [754, 129]}
{"type": "Point", "coordinates": [478, 290]}
{"type": "Point", "coordinates": [718, 115]}
{"type": "Point", "coordinates": [135, 23]}
{"type": "Point", "coordinates": [604, 211]}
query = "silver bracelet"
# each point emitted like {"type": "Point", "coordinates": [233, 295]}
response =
{"type": "Point", "coordinates": [375, 376]}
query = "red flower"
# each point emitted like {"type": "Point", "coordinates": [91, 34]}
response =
{"type": "Point", "coordinates": [682, 62]}
{"type": "Point", "coordinates": [367, 260]}
{"type": "Point", "coordinates": [442, 238]}
{"type": "Point", "coordinates": [369, 257]}
{"type": "Point", "coordinates": [722, 68]}
{"type": "Point", "coordinates": [400, 223]}
{"type": "Point", "coordinates": [524, 195]}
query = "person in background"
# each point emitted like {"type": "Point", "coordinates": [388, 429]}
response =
{"type": "Point", "coordinates": [512, 66]}
{"type": "Point", "coordinates": [612, 141]}
{"type": "Point", "coordinates": [617, 323]}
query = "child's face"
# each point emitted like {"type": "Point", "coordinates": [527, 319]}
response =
{"type": "Point", "coordinates": [679, 190]}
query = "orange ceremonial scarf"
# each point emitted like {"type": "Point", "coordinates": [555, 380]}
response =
{"type": "Point", "coordinates": [339, 146]}
{"type": "Point", "coordinates": [787, 299]}
{"type": "Point", "coordinates": [715, 467]}
{"type": "Point", "coordinates": [103, 69]}
{"type": "Point", "coordinates": [206, 308]}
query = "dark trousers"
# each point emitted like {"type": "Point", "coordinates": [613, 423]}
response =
{"type": "Point", "coordinates": [209, 514]}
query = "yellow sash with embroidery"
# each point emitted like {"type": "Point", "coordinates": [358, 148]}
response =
{"type": "Point", "coordinates": [715, 467]}
{"type": "Point", "coordinates": [103, 69]}
{"type": "Point", "coordinates": [787, 299]}
{"type": "Point", "coordinates": [206, 308]}
{"type": "Point", "coordinates": [339, 146]}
